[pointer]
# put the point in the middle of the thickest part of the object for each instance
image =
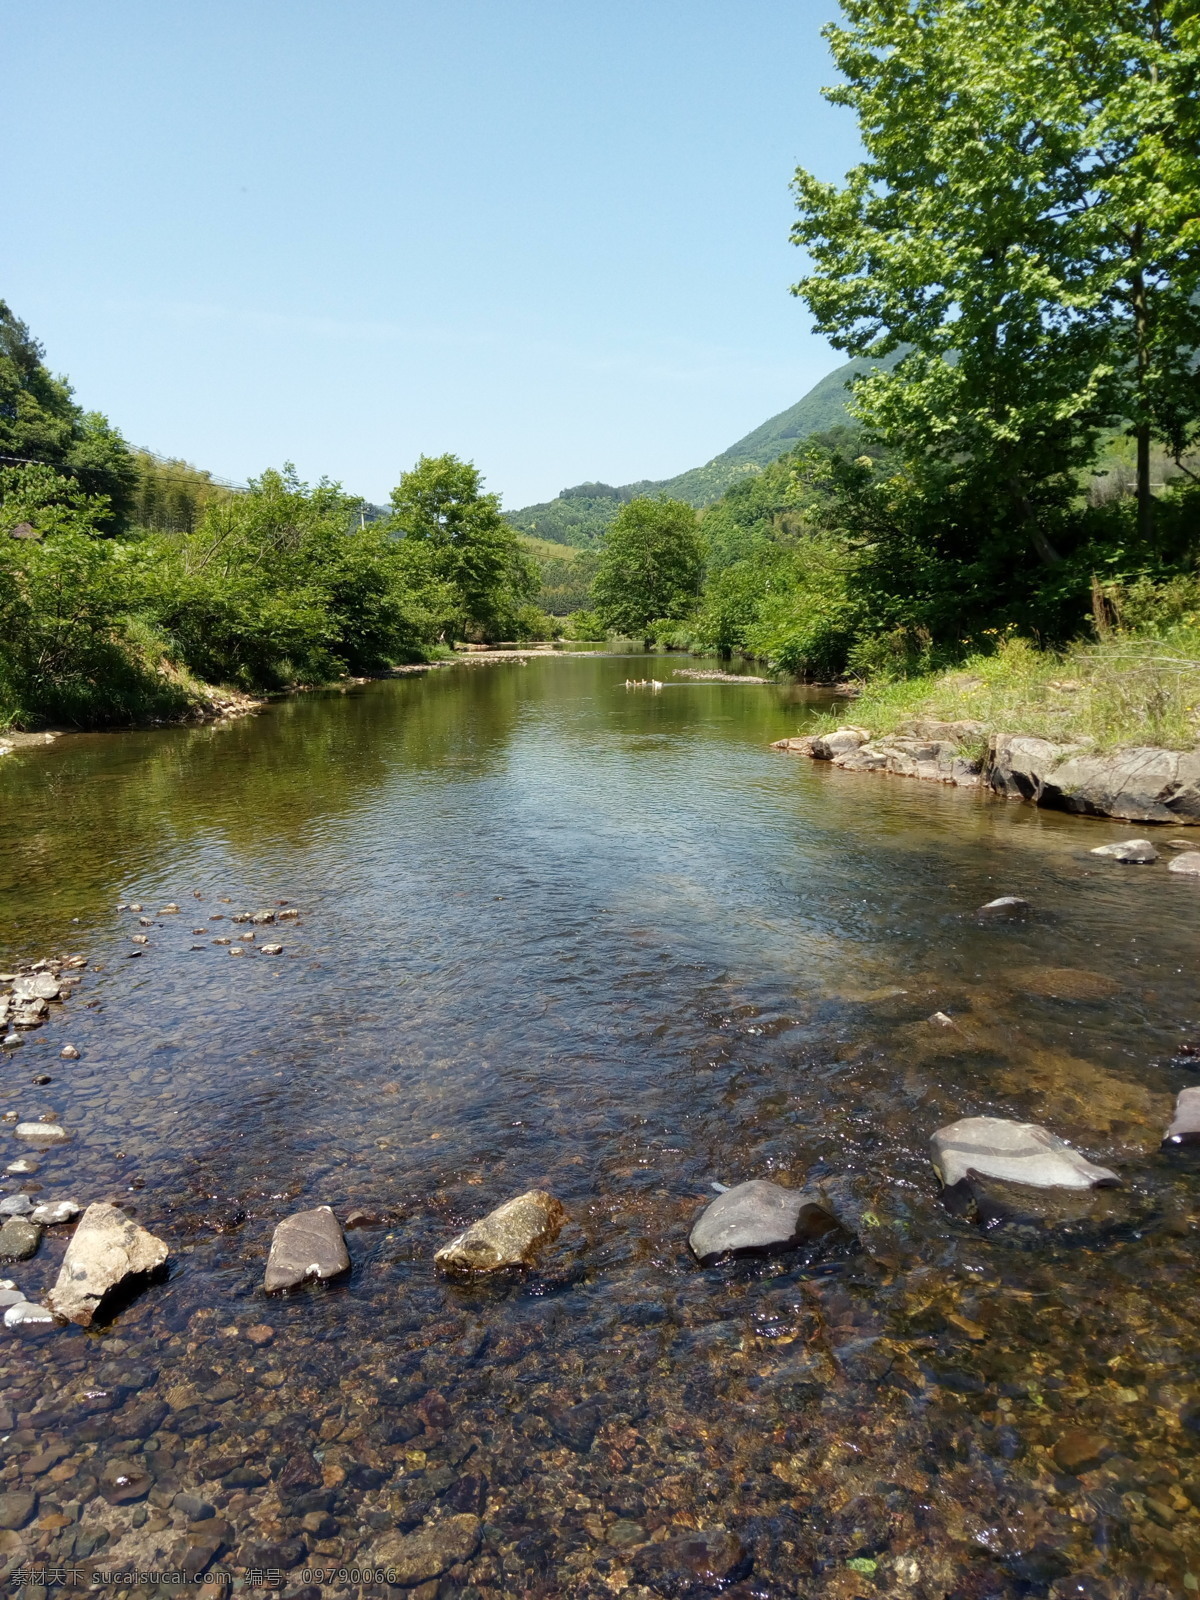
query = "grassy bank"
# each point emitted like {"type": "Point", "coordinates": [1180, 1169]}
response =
{"type": "Point", "coordinates": [1125, 689]}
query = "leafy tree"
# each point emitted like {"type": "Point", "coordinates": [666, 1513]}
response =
{"type": "Point", "coordinates": [441, 505]}
{"type": "Point", "coordinates": [651, 566]}
{"type": "Point", "coordinates": [40, 422]}
{"type": "Point", "coordinates": [1025, 220]}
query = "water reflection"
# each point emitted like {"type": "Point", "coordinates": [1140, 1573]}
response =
{"type": "Point", "coordinates": [556, 932]}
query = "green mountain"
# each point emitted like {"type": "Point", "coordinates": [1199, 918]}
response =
{"type": "Point", "coordinates": [579, 516]}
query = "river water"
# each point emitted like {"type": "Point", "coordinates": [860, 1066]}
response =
{"type": "Point", "coordinates": [559, 932]}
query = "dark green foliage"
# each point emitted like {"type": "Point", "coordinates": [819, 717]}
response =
{"type": "Point", "coordinates": [565, 580]}
{"type": "Point", "coordinates": [172, 496]}
{"type": "Point", "coordinates": [651, 567]}
{"type": "Point", "coordinates": [40, 422]}
{"type": "Point", "coordinates": [440, 507]}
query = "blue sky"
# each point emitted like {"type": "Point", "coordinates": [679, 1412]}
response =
{"type": "Point", "coordinates": [548, 235]}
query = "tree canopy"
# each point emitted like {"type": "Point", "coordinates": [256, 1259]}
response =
{"type": "Point", "coordinates": [651, 566]}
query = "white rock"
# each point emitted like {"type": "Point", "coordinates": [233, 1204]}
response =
{"type": "Point", "coordinates": [45, 1132]}
{"type": "Point", "coordinates": [1140, 852]}
{"type": "Point", "coordinates": [1016, 1152]}
{"type": "Point", "coordinates": [1189, 863]}
{"type": "Point", "coordinates": [105, 1249]}
{"type": "Point", "coordinates": [10, 1297]}
{"type": "Point", "coordinates": [15, 1205]}
{"type": "Point", "coordinates": [51, 1212]}
{"type": "Point", "coordinates": [23, 1167]}
{"type": "Point", "coordinates": [24, 1311]}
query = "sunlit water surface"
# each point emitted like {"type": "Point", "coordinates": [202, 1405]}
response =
{"type": "Point", "coordinates": [557, 932]}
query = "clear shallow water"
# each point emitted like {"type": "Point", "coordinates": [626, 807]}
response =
{"type": "Point", "coordinates": [556, 932]}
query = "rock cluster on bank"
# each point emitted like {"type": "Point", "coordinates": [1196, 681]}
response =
{"type": "Point", "coordinates": [1139, 785]}
{"type": "Point", "coordinates": [28, 994]}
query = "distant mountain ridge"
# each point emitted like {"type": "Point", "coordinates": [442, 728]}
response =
{"type": "Point", "coordinates": [579, 516]}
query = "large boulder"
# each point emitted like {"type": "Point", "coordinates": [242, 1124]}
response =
{"type": "Point", "coordinates": [307, 1245]}
{"type": "Point", "coordinates": [1016, 765]}
{"type": "Point", "coordinates": [758, 1218]}
{"type": "Point", "coordinates": [107, 1249]}
{"type": "Point", "coordinates": [1144, 785]}
{"type": "Point", "coordinates": [1188, 863]}
{"type": "Point", "coordinates": [1014, 1152]}
{"type": "Point", "coordinates": [1185, 1126]}
{"type": "Point", "coordinates": [826, 746]}
{"type": "Point", "coordinates": [509, 1236]}
{"type": "Point", "coordinates": [1138, 852]}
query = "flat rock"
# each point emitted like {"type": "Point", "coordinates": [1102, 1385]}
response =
{"type": "Point", "coordinates": [1186, 863]}
{"type": "Point", "coordinates": [1069, 1216]}
{"type": "Point", "coordinates": [1185, 1128]}
{"type": "Point", "coordinates": [1006, 905]}
{"type": "Point", "coordinates": [15, 1205]}
{"type": "Point", "coordinates": [36, 986]}
{"type": "Point", "coordinates": [509, 1236]}
{"type": "Point", "coordinates": [758, 1218]}
{"type": "Point", "coordinates": [1078, 1451]}
{"type": "Point", "coordinates": [41, 1132]}
{"type": "Point", "coordinates": [1019, 1152]}
{"type": "Point", "coordinates": [697, 1562]}
{"type": "Point", "coordinates": [1139, 852]}
{"type": "Point", "coordinates": [19, 1239]}
{"type": "Point", "coordinates": [106, 1249]}
{"type": "Point", "coordinates": [417, 1557]}
{"type": "Point", "coordinates": [306, 1245]}
{"type": "Point", "coordinates": [800, 746]}
{"type": "Point", "coordinates": [17, 1507]}
{"type": "Point", "coordinates": [52, 1212]}
{"type": "Point", "coordinates": [825, 746]}
{"type": "Point", "coordinates": [24, 1313]}
{"type": "Point", "coordinates": [1141, 785]}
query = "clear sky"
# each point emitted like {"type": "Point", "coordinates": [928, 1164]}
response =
{"type": "Point", "coordinates": [548, 235]}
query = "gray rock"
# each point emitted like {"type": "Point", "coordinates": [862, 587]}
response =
{"type": "Point", "coordinates": [307, 1245]}
{"type": "Point", "coordinates": [1188, 863]}
{"type": "Point", "coordinates": [16, 1508]}
{"type": "Point", "coordinates": [1141, 785]}
{"type": "Point", "coordinates": [52, 1212]}
{"type": "Point", "coordinates": [1016, 766]}
{"type": "Point", "coordinates": [11, 1297]}
{"type": "Point", "coordinates": [1007, 905]}
{"type": "Point", "coordinates": [22, 1167]}
{"type": "Point", "coordinates": [418, 1557]}
{"type": "Point", "coordinates": [509, 1236]}
{"type": "Point", "coordinates": [1185, 1127]}
{"type": "Point", "coordinates": [25, 1314]}
{"type": "Point", "coordinates": [1017, 1152]}
{"type": "Point", "coordinates": [15, 1205]}
{"type": "Point", "coordinates": [106, 1249]}
{"type": "Point", "coordinates": [12, 1040]}
{"type": "Point", "coordinates": [36, 986]}
{"type": "Point", "coordinates": [261, 917]}
{"type": "Point", "coordinates": [825, 746]}
{"type": "Point", "coordinates": [758, 1218]}
{"type": "Point", "coordinates": [42, 1132]}
{"type": "Point", "coordinates": [702, 1561]}
{"type": "Point", "coordinates": [19, 1239]}
{"type": "Point", "coordinates": [1138, 851]}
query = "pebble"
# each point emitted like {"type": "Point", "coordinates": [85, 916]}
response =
{"type": "Point", "coordinates": [1008, 905]}
{"type": "Point", "coordinates": [52, 1212]}
{"type": "Point", "coordinates": [69, 1053]}
{"type": "Point", "coordinates": [19, 1239]}
{"type": "Point", "coordinates": [272, 949]}
{"type": "Point", "coordinates": [1189, 863]}
{"type": "Point", "coordinates": [44, 1132]}
{"type": "Point", "coordinates": [17, 1316]}
{"type": "Point", "coordinates": [757, 1218]}
{"type": "Point", "coordinates": [260, 1333]}
{"type": "Point", "coordinates": [416, 1557]}
{"type": "Point", "coordinates": [16, 1508]}
{"type": "Point", "coordinates": [12, 1040]}
{"type": "Point", "coordinates": [509, 1236]}
{"type": "Point", "coordinates": [1138, 852]}
{"type": "Point", "coordinates": [15, 1205]}
{"type": "Point", "coordinates": [306, 1245]}
{"type": "Point", "coordinates": [698, 1561]}
{"type": "Point", "coordinates": [23, 1167]}
{"type": "Point", "coordinates": [1078, 1451]}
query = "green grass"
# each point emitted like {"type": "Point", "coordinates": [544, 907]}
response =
{"type": "Point", "coordinates": [1125, 690]}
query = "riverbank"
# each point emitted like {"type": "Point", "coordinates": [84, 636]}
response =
{"type": "Point", "coordinates": [1106, 730]}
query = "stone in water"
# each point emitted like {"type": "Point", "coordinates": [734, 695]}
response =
{"type": "Point", "coordinates": [509, 1236]}
{"type": "Point", "coordinates": [52, 1212]}
{"type": "Point", "coordinates": [418, 1557]}
{"type": "Point", "coordinates": [105, 1250]}
{"type": "Point", "coordinates": [307, 1245]}
{"type": "Point", "coordinates": [19, 1239]}
{"type": "Point", "coordinates": [17, 1316]}
{"type": "Point", "coordinates": [1008, 905]}
{"type": "Point", "coordinates": [1185, 1129]}
{"type": "Point", "coordinates": [1017, 1152]}
{"type": "Point", "coordinates": [43, 1132]}
{"type": "Point", "coordinates": [1140, 852]}
{"type": "Point", "coordinates": [756, 1218]}
{"type": "Point", "coordinates": [1188, 863]}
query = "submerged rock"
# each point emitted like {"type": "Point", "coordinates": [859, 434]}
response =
{"type": "Point", "coordinates": [1138, 851]}
{"type": "Point", "coordinates": [509, 1236]}
{"type": "Point", "coordinates": [42, 1132]}
{"type": "Point", "coordinates": [25, 1313]}
{"type": "Point", "coordinates": [106, 1250]}
{"type": "Point", "coordinates": [1016, 1152]}
{"type": "Point", "coordinates": [52, 1212]}
{"type": "Point", "coordinates": [758, 1218]}
{"type": "Point", "coordinates": [15, 1205]}
{"type": "Point", "coordinates": [1081, 1216]}
{"type": "Point", "coordinates": [19, 1239]}
{"type": "Point", "coordinates": [417, 1557]}
{"type": "Point", "coordinates": [1007, 905]}
{"type": "Point", "coordinates": [700, 1561]}
{"type": "Point", "coordinates": [1187, 863]}
{"type": "Point", "coordinates": [1185, 1128]}
{"type": "Point", "coordinates": [307, 1245]}
{"type": "Point", "coordinates": [1078, 1451]}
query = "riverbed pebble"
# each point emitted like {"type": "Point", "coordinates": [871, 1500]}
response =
{"type": "Point", "coordinates": [42, 1132]}
{"type": "Point", "coordinates": [1188, 863]}
{"type": "Point", "coordinates": [307, 1245]}
{"type": "Point", "coordinates": [69, 1053]}
{"type": "Point", "coordinates": [272, 949]}
{"type": "Point", "coordinates": [15, 1205]}
{"type": "Point", "coordinates": [1006, 905]}
{"type": "Point", "coordinates": [758, 1218]}
{"type": "Point", "coordinates": [417, 1557]}
{"type": "Point", "coordinates": [52, 1212]}
{"type": "Point", "coordinates": [1138, 852]}
{"type": "Point", "coordinates": [24, 1166]}
{"type": "Point", "coordinates": [1020, 1152]}
{"type": "Point", "coordinates": [1078, 1451]}
{"type": "Point", "coordinates": [12, 1040]}
{"type": "Point", "coordinates": [509, 1236]}
{"type": "Point", "coordinates": [19, 1239]}
{"type": "Point", "coordinates": [1185, 1126]}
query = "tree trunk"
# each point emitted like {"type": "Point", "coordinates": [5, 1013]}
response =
{"type": "Point", "coordinates": [1145, 500]}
